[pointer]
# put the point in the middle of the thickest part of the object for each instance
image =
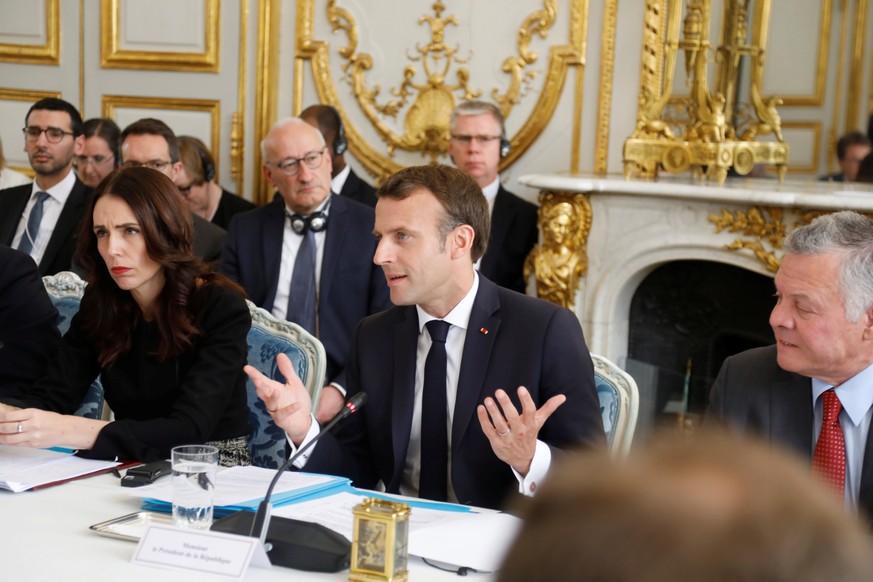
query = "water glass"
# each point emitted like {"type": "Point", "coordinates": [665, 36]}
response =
{"type": "Point", "coordinates": [194, 469]}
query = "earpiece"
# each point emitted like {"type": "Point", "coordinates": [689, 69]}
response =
{"type": "Point", "coordinates": [316, 222]}
{"type": "Point", "coordinates": [340, 145]}
{"type": "Point", "coordinates": [505, 147]}
{"type": "Point", "coordinates": [208, 167]}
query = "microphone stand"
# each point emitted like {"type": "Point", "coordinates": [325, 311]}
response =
{"type": "Point", "coordinates": [261, 523]}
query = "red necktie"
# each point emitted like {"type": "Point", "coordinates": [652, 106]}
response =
{"type": "Point", "coordinates": [829, 459]}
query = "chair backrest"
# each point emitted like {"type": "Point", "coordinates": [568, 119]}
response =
{"type": "Point", "coordinates": [619, 403]}
{"type": "Point", "coordinates": [267, 338]}
{"type": "Point", "coordinates": [65, 290]}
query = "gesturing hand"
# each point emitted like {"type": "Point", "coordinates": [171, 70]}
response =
{"type": "Point", "coordinates": [288, 404]}
{"type": "Point", "coordinates": [513, 436]}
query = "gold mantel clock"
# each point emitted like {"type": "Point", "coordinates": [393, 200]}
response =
{"type": "Point", "coordinates": [380, 545]}
{"type": "Point", "coordinates": [708, 130]}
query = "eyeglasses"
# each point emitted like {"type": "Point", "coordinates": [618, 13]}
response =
{"type": "Point", "coordinates": [52, 134]}
{"type": "Point", "coordinates": [158, 165]}
{"type": "Point", "coordinates": [467, 139]}
{"type": "Point", "coordinates": [291, 166]}
{"type": "Point", "coordinates": [82, 161]}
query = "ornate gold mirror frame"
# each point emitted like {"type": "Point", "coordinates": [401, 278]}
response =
{"type": "Point", "coordinates": [425, 100]}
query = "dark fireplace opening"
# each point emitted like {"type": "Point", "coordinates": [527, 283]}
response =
{"type": "Point", "coordinates": [686, 317]}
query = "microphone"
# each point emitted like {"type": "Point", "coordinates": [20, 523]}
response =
{"type": "Point", "coordinates": [294, 543]}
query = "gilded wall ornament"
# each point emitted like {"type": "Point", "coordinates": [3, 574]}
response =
{"type": "Point", "coordinates": [561, 259]}
{"type": "Point", "coordinates": [705, 131]}
{"type": "Point", "coordinates": [435, 77]}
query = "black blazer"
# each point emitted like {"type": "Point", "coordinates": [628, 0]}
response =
{"type": "Point", "coordinates": [528, 342]}
{"type": "Point", "coordinates": [513, 234]}
{"type": "Point", "coordinates": [208, 239]}
{"type": "Point", "coordinates": [351, 286]}
{"type": "Point", "coordinates": [356, 189]}
{"type": "Point", "coordinates": [754, 394]}
{"type": "Point", "coordinates": [229, 206]}
{"type": "Point", "coordinates": [58, 254]}
{"type": "Point", "coordinates": [29, 334]}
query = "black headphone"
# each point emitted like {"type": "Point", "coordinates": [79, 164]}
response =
{"type": "Point", "coordinates": [340, 145]}
{"type": "Point", "coordinates": [316, 222]}
{"type": "Point", "coordinates": [505, 147]}
{"type": "Point", "coordinates": [208, 167]}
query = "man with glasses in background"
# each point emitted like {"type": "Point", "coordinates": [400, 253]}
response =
{"type": "Point", "coordinates": [41, 219]}
{"type": "Point", "coordinates": [307, 257]}
{"type": "Point", "coordinates": [478, 143]}
{"type": "Point", "coordinates": [151, 143]}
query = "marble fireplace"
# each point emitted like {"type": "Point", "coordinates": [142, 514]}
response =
{"type": "Point", "coordinates": [687, 231]}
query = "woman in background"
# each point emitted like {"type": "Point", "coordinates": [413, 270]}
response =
{"type": "Point", "coordinates": [100, 155]}
{"type": "Point", "coordinates": [167, 335]}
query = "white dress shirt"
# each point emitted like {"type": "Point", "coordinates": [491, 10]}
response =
{"type": "Point", "coordinates": [291, 242]}
{"type": "Point", "coordinates": [338, 181]}
{"type": "Point", "coordinates": [856, 398]}
{"type": "Point", "coordinates": [459, 318]}
{"type": "Point", "coordinates": [51, 211]}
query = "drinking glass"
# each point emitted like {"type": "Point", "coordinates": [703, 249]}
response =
{"type": "Point", "coordinates": [194, 469]}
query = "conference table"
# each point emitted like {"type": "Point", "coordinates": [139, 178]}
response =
{"type": "Point", "coordinates": [46, 536]}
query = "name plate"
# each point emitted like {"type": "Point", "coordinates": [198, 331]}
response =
{"type": "Point", "coordinates": [207, 551]}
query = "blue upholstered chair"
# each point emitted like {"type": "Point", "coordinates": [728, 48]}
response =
{"type": "Point", "coordinates": [619, 403]}
{"type": "Point", "coordinates": [267, 338]}
{"type": "Point", "coordinates": [65, 290]}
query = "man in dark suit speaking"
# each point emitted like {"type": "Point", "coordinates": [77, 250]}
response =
{"type": "Point", "coordinates": [471, 387]}
{"type": "Point", "coordinates": [813, 391]}
{"type": "Point", "coordinates": [307, 256]}
{"type": "Point", "coordinates": [41, 219]}
{"type": "Point", "coordinates": [478, 143]}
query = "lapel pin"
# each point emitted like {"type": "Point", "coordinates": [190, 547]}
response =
{"type": "Point", "coordinates": [483, 331]}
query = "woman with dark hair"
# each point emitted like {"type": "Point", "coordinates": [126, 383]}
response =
{"type": "Point", "coordinates": [167, 335]}
{"type": "Point", "coordinates": [100, 155]}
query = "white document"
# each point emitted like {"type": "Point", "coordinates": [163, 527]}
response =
{"type": "Point", "coordinates": [335, 512]}
{"type": "Point", "coordinates": [473, 540]}
{"type": "Point", "coordinates": [23, 468]}
{"type": "Point", "coordinates": [237, 485]}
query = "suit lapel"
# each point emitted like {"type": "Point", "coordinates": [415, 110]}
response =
{"type": "Point", "coordinates": [791, 413]}
{"type": "Point", "coordinates": [64, 229]}
{"type": "Point", "coordinates": [333, 245]}
{"type": "Point", "coordinates": [15, 200]}
{"type": "Point", "coordinates": [403, 390]}
{"type": "Point", "coordinates": [474, 362]}
{"type": "Point", "coordinates": [271, 249]}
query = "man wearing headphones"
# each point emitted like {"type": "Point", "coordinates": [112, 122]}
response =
{"type": "Point", "coordinates": [344, 181]}
{"type": "Point", "coordinates": [307, 257]}
{"type": "Point", "coordinates": [198, 184]}
{"type": "Point", "coordinates": [478, 143]}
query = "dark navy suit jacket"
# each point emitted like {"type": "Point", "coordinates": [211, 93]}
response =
{"type": "Point", "coordinates": [58, 255]}
{"type": "Point", "coordinates": [753, 394]}
{"type": "Point", "coordinates": [356, 189]}
{"type": "Point", "coordinates": [529, 342]}
{"type": "Point", "coordinates": [351, 286]}
{"type": "Point", "coordinates": [513, 234]}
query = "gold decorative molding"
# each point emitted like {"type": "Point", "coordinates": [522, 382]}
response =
{"type": "Point", "coordinates": [604, 101]}
{"type": "Point", "coordinates": [237, 122]}
{"type": "Point", "coordinates": [26, 95]}
{"type": "Point", "coordinates": [427, 104]}
{"type": "Point", "coordinates": [856, 74]}
{"type": "Point", "coordinates": [561, 260]}
{"type": "Point", "coordinates": [211, 106]}
{"type": "Point", "coordinates": [45, 54]}
{"type": "Point", "coordinates": [266, 87]}
{"type": "Point", "coordinates": [821, 65]}
{"type": "Point", "coordinates": [811, 168]}
{"type": "Point", "coordinates": [112, 56]}
{"type": "Point", "coordinates": [762, 228]}
{"type": "Point", "coordinates": [715, 133]}
{"type": "Point", "coordinates": [834, 131]}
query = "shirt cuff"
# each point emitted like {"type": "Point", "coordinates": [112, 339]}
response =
{"type": "Point", "coordinates": [313, 432]}
{"type": "Point", "coordinates": [339, 388]}
{"type": "Point", "coordinates": [539, 466]}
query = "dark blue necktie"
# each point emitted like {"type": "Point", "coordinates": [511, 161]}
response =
{"type": "Point", "coordinates": [31, 231]}
{"type": "Point", "coordinates": [302, 299]}
{"type": "Point", "coordinates": [433, 480]}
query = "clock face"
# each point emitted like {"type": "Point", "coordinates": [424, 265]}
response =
{"type": "Point", "coordinates": [371, 545]}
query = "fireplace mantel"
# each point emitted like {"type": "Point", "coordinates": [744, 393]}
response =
{"type": "Point", "coordinates": [637, 225]}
